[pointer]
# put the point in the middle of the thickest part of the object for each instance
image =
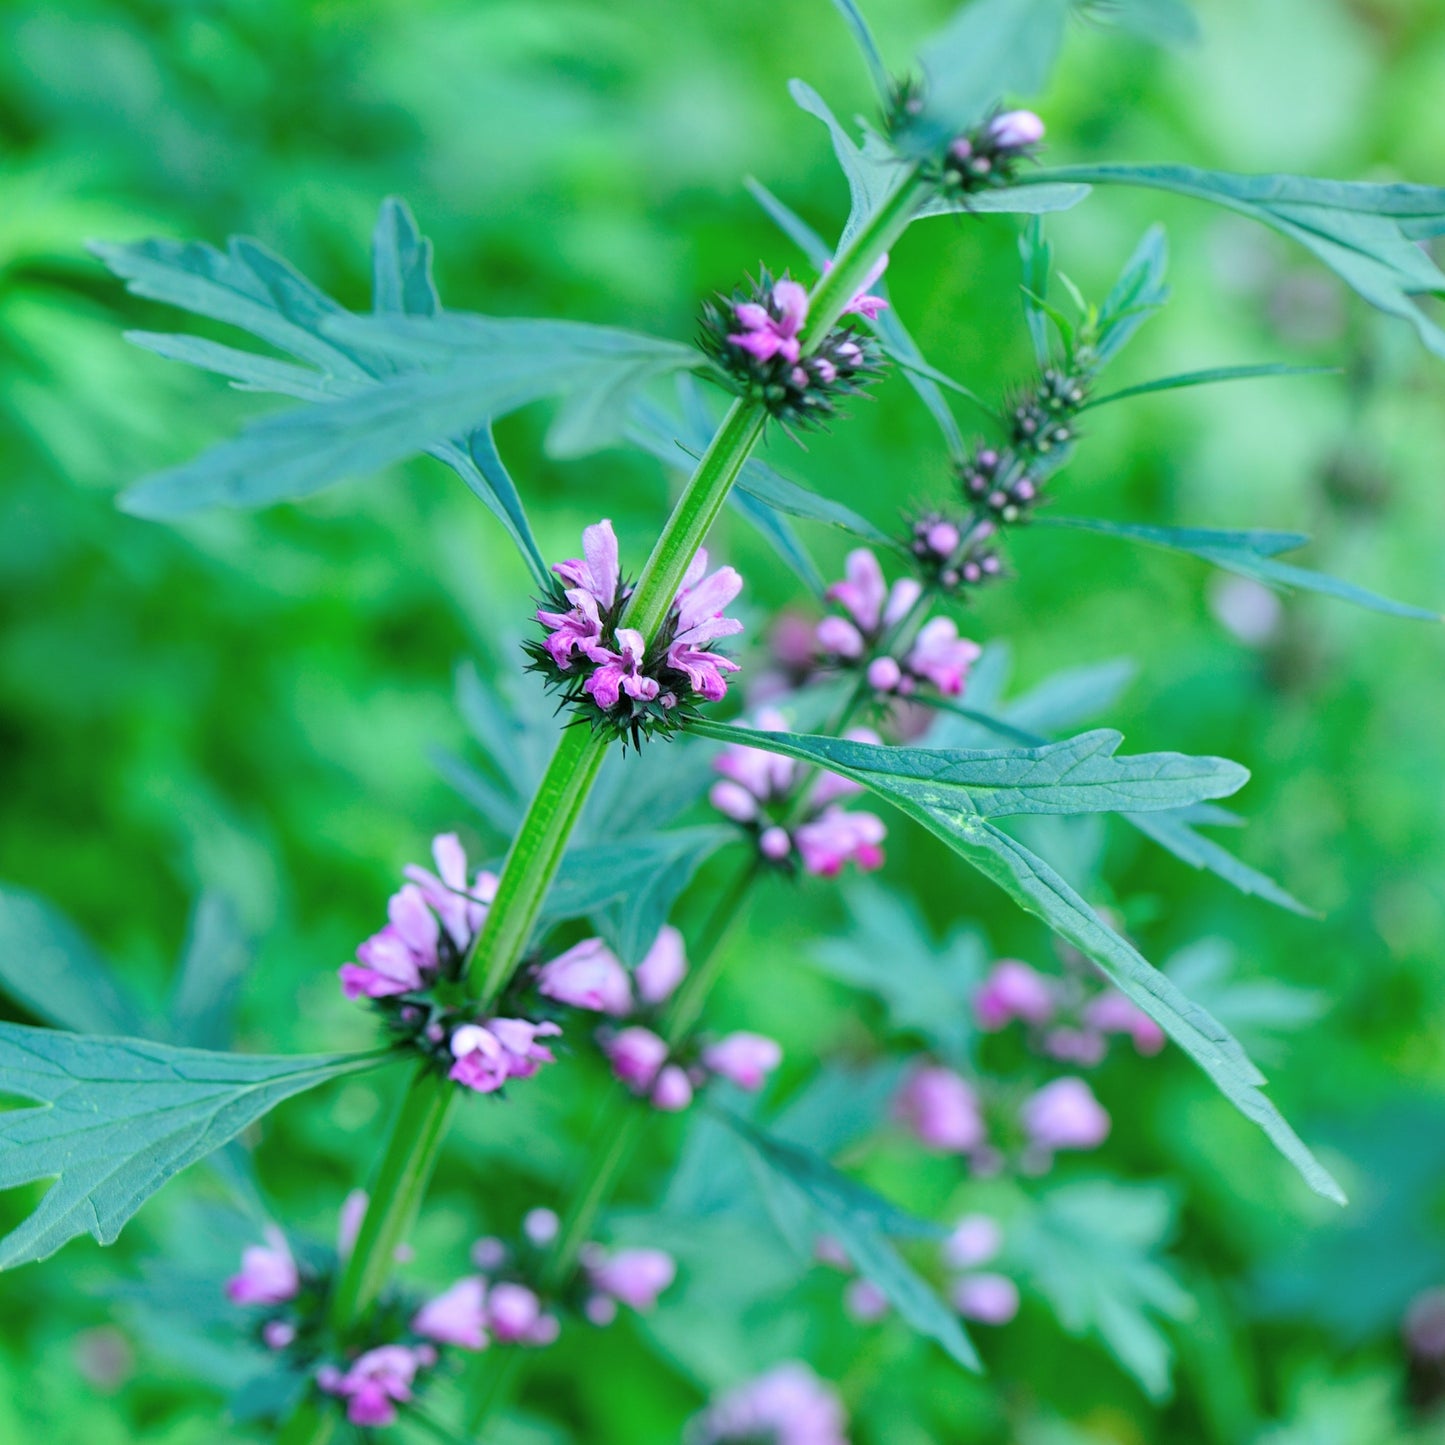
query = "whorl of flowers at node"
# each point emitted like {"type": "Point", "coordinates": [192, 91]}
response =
{"type": "Point", "coordinates": [870, 631]}
{"type": "Point", "coordinates": [789, 1405]}
{"type": "Point", "coordinates": [984, 157]}
{"type": "Point", "coordinates": [611, 676]}
{"type": "Point", "coordinates": [758, 791]}
{"type": "Point", "coordinates": [755, 338]}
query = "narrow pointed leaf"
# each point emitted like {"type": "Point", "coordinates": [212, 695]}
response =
{"type": "Point", "coordinates": [862, 1222]}
{"type": "Point", "coordinates": [868, 47]}
{"type": "Point", "coordinates": [208, 986]}
{"type": "Point", "coordinates": [51, 970]}
{"type": "Point", "coordinates": [116, 1118]}
{"type": "Point", "coordinates": [1250, 554]}
{"type": "Point", "coordinates": [1365, 233]}
{"type": "Point", "coordinates": [1135, 296]}
{"type": "Point", "coordinates": [1214, 374]}
{"type": "Point", "coordinates": [951, 787]}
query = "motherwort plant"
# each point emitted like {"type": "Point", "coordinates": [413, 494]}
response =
{"type": "Point", "coordinates": [562, 956]}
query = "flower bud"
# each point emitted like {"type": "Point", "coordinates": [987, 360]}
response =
{"type": "Point", "coordinates": [665, 964]}
{"type": "Point", "coordinates": [590, 976]}
{"type": "Point", "coordinates": [541, 1226]}
{"type": "Point", "coordinates": [1015, 129]}
{"type": "Point", "coordinates": [672, 1092]}
{"type": "Point", "coordinates": [884, 674]}
{"type": "Point", "coordinates": [744, 1059]}
{"type": "Point", "coordinates": [1065, 1115]}
{"type": "Point", "coordinates": [636, 1055]}
{"type": "Point", "coordinates": [975, 1240]}
{"type": "Point", "coordinates": [991, 1299]}
{"type": "Point", "coordinates": [512, 1311]}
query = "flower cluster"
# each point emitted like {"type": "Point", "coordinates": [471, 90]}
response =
{"type": "Point", "coordinates": [1065, 1020]}
{"type": "Point", "coordinates": [990, 154]}
{"type": "Point", "coordinates": [758, 791]}
{"type": "Point", "coordinates": [983, 1296]}
{"type": "Point", "coordinates": [755, 337]}
{"type": "Point", "coordinates": [873, 613]}
{"type": "Point", "coordinates": [945, 1112]}
{"type": "Point", "coordinates": [789, 1405]}
{"type": "Point", "coordinates": [412, 971]}
{"type": "Point", "coordinates": [611, 675]}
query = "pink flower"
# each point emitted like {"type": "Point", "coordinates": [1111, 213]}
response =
{"type": "Point", "coordinates": [487, 1055]}
{"type": "Point", "coordinates": [837, 637]}
{"type": "Point", "coordinates": [864, 1301]}
{"type": "Point", "coordinates": [942, 1109]}
{"type": "Point", "coordinates": [665, 964]}
{"type": "Point", "coordinates": [589, 975]}
{"type": "Point", "coordinates": [462, 911]}
{"type": "Point", "coordinates": [867, 597]}
{"type": "Point", "coordinates": [1012, 991]}
{"type": "Point", "coordinates": [942, 539]}
{"type": "Point", "coordinates": [457, 1316]}
{"type": "Point", "coordinates": [541, 1226]}
{"type": "Point", "coordinates": [377, 1382]}
{"type": "Point", "coordinates": [672, 1092]}
{"type": "Point", "coordinates": [598, 570]}
{"type": "Point", "coordinates": [991, 1299]}
{"type": "Point", "coordinates": [940, 656]}
{"type": "Point", "coordinates": [767, 776]}
{"type": "Point", "coordinates": [278, 1334]}
{"type": "Point", "coordinates": [789, 1405]}
{"type": "Point", "coordinates": [766, 331]}
{"type": "Point", "coordinates": [268, 1274]}
{"type": "Point", "coordinates": [634, 1276]}
{"type": "Point", "coordinates": [1016, 129]}
{"type": "Point", "coordinates": [1065, 1115]}
{"type": "Point", "coordinates": [513, 1311]}
{"type": "Point", "coordinates": [622, 672]}
{"type": "Point", "coordinates": [1112, 1013]}
{"type": "Point", "coordinates": [636, 1055]}
{"type": "Point", "coordinates": [884, 674]}
{"type": "Point", "coordinates": [836, 837]}
{"type": "Point", "coordinates": [743, 1059]}
{"type": "Point", "coordinates": [975, 1240]}
{"type": "Point", "coordinates": [402, 956]}
{"type": "Point", "coordinates": [1084, 1047]}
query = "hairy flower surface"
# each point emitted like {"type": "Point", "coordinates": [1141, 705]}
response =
{"type": "Point", "coordinates": [755, 338]}
{"type": "Point", "coordinates": [610, 675]}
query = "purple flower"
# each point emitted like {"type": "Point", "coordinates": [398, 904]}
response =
{"type": "Point", "coordinates": [942, 1110]}
{"type": "Point", "coordinates": [991, 1299]}
{"type": "Point", "coordinates": [457, 1316]}
{"type": "Point", "coordinates": [635, 1277]}
{"type": "Point", "coordinates": [940, 656]}
{"type": "Point", "coordinates": [870, 602]}
{"type": "Point", "coordinates": [589, 975]}
{"type": "Point", "coordinates": [598, 571]}
{"type": "Point", "coordinates": [268, 1274]}
{"type": "Point", "coordinates": [664, 966]}
{"type": "Point", "coordinates": [976, 1238]}
{"type": "Point", "coordinates": [1065, 1115]}
{"type": "Point", "coordinates": [770, 329]}
{"type": "Point", "coordinates": [1012, 991]}
{"type": "Point", "coordinates": [541, 1226]}
{"type": "Point", "coordinates": [462, 911]}
{"type": "Point", "coordinates": [636, 1055]}
{"type": "Point", "coordinates": [672, 1092]}
{"type": "Point", "coordinates": [1084, 1047]}
{"type": "Point", "coordinates": [699, 621]}
{"type": "Point", "coordinates": [789, 1405]}
{"type": "Point", "coordinates": [836, 837]}
{"type": "Point", "coordinates": [487, 1055]}
{"type": "Point", "coordinates": [377, 1381]}
{"type": "Point", "coordinates": [862, 303]}
{"type": "Point", "coordinates": [402, 957]}
{"type": "Point", "coordinates": [278, 1334]}
{"type": "Point", "coordinates": [1016, 129]}
{"type": "Point", "coordinates": [1112, 1013]}
{"type": "Point", "coordinates": [513, 1312]}
{"type": "Point", "coordinates": [743, 1059]}
{"type": "Point", "coordinates": [864, 1301]}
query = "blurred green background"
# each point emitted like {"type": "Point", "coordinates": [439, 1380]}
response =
{"type": "Point", "coordinates": [247, 701]}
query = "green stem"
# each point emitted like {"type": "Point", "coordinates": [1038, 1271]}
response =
{"type": "Point", "coordinates": [535, 856]}
{"type": "Point", "coordinates": [396, 1194]}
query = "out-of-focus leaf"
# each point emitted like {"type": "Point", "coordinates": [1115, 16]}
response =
{"type": "Point", "coordinates": [1177, 833]}
{"type": "Point", "coordinates": [50, 969]}
{"type": "Point", "coordinates": [862, 1222]}
{"type": "Point", "coordinates": [991, 49]}
{"type": "Point", "coordinates": [1037, 258]}
{"type": "Point", "coordinates": [203, 1001]}
{"type": "Point", "coordinates": [1135, 296]}
{"type": "Point", "coordinates": [871, 170]}
{"type": "Point", "coordinates": [925, 986]}
{"type": "Point", "coordinates": [1365, 233]}
{"type": "Point", "coordinates": [948, 792]}
{"type": "Point", "coordinates": [1007, 201]}
{"type": "Point", "coordinates": [1249, 554]}
{"type": "Point", "coordinates": [1212, 375]}
{"type": "Point", "coordinates": [120, 1118]}
{"type": "Point", "coordinates": [862, 35]}
{"type": "Point", "coordinates": [1260, 1012]}
{"type": "Point", "coordinates": [1165, 22]}
{"type": "Point", "coordinates": [1091, 1250]}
